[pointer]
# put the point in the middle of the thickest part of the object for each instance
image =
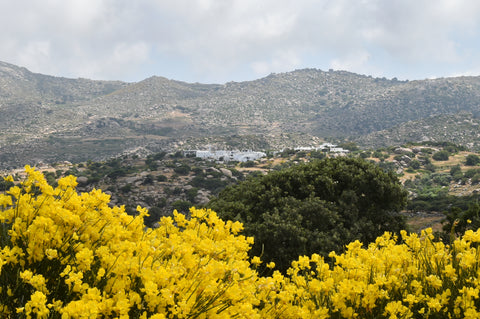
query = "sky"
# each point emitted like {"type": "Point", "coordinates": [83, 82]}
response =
{"type": "Point", "coordinates": [217, 41]}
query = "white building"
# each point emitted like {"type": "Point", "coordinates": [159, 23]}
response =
{"type": "Point", "coordinates": [240, 156]}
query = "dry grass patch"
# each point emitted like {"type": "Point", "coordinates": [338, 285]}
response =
{"type": "Point", "coordinates": [423, 221]}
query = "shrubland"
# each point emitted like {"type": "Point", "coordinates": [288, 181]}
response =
{"type": "Point", "coordinates": [70, 255]}
{"type": "Point", "coordinates": [315, 207]}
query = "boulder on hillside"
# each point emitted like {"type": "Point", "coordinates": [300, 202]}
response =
{"type": "Point", "coordinates": [403, 150]}
{"type": "Point", "coordinates": [82, 180]}
{"type": "Point", "coordinates": [226, 172]}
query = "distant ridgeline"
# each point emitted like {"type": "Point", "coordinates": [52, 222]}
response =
{"type": "Point", "coordinates": [49, 119]}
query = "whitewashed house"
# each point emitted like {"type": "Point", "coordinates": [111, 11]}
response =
{"type": "Point", "coordinates": [226, 156]}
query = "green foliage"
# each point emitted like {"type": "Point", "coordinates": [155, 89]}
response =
{"type": "Point", "coordinates": [51, 178]}
{"type": "Point", "coordinates": [430, 191]}
{"type": "Point", "coordinates": [301, 154]}
{"type": "Point", "coordinates": [162, 178]}
{"type": "Point", "coordinates": [425, 160]}
{"type": "Point", "coordinates": [151, 163]}
{"type": "Point", "coordinates": [248, 164]}
{"type": "Point", "coordinates": [387, 166]}
{"type": "Point", "coordinates": [377, 154]}
{"type": "Point", "coordinates": [314, 208]}
{"type": "Point", "coordinates": [214, 183]}
{"type": "Point", "coordinates": [448, 146]}
{"type": "Point", "coordinates": [126, 189]}
{"type": "Point", "coordinates": [415, 164]}
{"type": "Point", "coordinates": [364, 155]}
{"type": "Point", "coordinates": [72, 171]}
{"type": "Point", "coordinates": [155, 213]}
{"type": "Point", "coordinates": [58, 173]}
{"type": "Point", "coordinates": [191, 194]}
{"type": "Point", "coordinates": [317, 154]}
{"type": "Point", "coordinates": [182, 206]}
{"type": "Point", "coordinates": [287, 153]}
{"type": "Point", "coordinates": [5, 185]}
{"type": "Point", "coordinates": [148, 180]}
{"type": "Point", "coordinates": [457, 221]}
{"type": "Point", "coordinates": [456, 171]}
{"type": "Point", "coordinates": [476, 178]}
{"type": "Point", "coordinates": [427, 150]}
{"type": "Point", "coordinates": [441, 155]}
{"type": "Point", "coordinates": [116, 172]}
{"type": "Point", "coordinates": [398, 158]}
{"type": "Point", "coordinates": [177, 154]}
{"type": "Point", "coordinates": [471, 172]}
{"type": "Point", "coordinates": [472, 160]}
{"type": "Point", "coordinates": [441, 179]}
{"type": "Point", "coordinates": [183, 169]}
{"type": "Point", "coordinates": [351, 146]}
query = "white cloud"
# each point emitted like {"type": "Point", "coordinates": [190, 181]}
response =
{"type": "Point", "coordinates": [35, 54]}
{"type": "Point", "coordinates": [280, 62]}
{"type": "Point", "coordinates": [240, 39]}
{"type": "Point", "coordinates": [354, 61]}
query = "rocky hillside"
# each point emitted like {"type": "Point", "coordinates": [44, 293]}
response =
{"type": "Point", "coordinates": [45, 118]}
{"type": "Point", "coordinates": [461, 128]}
{"type": "Point", "coordinates": [163, 182]}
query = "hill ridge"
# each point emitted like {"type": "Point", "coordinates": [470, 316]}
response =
{"type": "Point", "coordinates": [276, 111]}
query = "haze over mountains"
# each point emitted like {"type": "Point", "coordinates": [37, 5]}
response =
{"type": "Point", "coordinates": [47, 118]}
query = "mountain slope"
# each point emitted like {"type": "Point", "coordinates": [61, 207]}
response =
{"type": "Point", "coordinates": [76, 118]}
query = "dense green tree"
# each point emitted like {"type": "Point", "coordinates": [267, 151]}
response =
{"type": "Point", "coordinates": [472, 160]}
{"type": "Point", "coordinates": [456, 172]}
{"type": "Point", "coordinates": [182, 206]}
{"type": "Point", "coordinates": [317, 154]}
{"type": "Point", "coordinates": [415, 164]}
{"type": "Point", "coordinates": [471, 172]}
{"type": "Point", "coordinates": [5, 185]}
{"type": "Point", "coordinates": [191, 194]}
{"type": "Point", "coordinates": [182, 169]}
{"type": "Point", "coordinates": [441, 155]}
{"type": "Point", "coordinates": [377, 154]}
{"type": "Point", "coordinates": [314, 208]}
{"type": "Point", "coordinates": [351, 146]}
{"type": "Point", "coordinates": [457, 220]}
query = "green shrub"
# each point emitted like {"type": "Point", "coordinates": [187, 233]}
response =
{"type": "Point", "coordinates": [441, 155]}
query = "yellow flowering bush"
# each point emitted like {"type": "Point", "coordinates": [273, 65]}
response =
{"type": "Point", "coordinates": [66, 255]}
{"type": "Point", "coordinates": [70, 255]}
{"type": "Point", "coordinates": [416, 278]}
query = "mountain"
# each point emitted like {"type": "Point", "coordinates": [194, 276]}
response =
{"type": "Point", "coordinates": [461, 128]}
{"type": "Point", "coordinates": [46, 118]}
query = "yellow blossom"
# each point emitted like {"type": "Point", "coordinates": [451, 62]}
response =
{"type": "Point", "coordinates": [72, 255]}
{"type": "Point", "coordinates": [256, 261]}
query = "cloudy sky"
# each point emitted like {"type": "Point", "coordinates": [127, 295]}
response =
{"type": "Point", "coordinates": [216, 41]}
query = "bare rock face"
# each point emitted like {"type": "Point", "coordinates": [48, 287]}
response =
{"type": "Point", "coordinates": [54, 119]}
{"type": "Point", "coordinates": [406, 159]}
{"type": "Point", "coordinates": [213, 169]}
{"type": "Point", "coordinates": [202, 197]}
{"type": "Point", "coordinates": [82, 180]}
{"type": "Point", "coordinates": [132, 179]}
{"type": "Point", "coordinates": [226, 172]}
{"type": "Point", "coordinates": [403, 150]}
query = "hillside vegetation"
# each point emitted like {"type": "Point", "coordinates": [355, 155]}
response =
{"type": "Point", "coordinates": [65, 254]}
{"type": "Point", "coordinates": [163, 181]}
{"type": "Point", "coordinates": [317, 207]}
{"type": "Point", "coordinates": [80, 119]}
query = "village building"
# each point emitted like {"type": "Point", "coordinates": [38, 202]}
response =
{"type": "Point", "coordinates": [226, 156]}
